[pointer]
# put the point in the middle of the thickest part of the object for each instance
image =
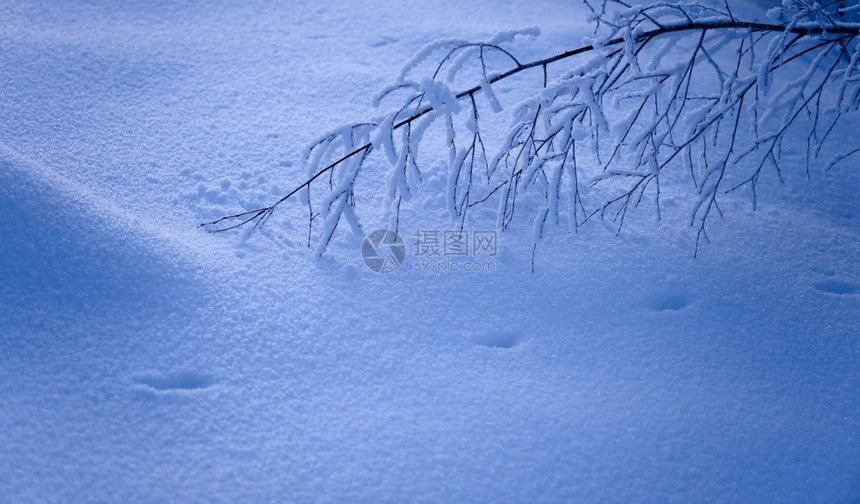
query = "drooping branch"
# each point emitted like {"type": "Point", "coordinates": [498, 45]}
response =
{"type": "Point", "coordinates": [543, 145]}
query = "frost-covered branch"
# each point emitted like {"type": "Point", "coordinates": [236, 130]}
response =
{"type": "Point", "coordinates": [665, 88]}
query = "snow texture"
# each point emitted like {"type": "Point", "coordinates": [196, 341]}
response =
{"type": "Point", "coordinates": [144, 360]}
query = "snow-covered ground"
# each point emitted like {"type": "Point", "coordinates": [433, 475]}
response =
{"type": "Point", "coordinates": [144, 360]}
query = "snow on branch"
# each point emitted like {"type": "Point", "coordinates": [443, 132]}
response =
{"type": "Point", "coordinates": [664, 88]}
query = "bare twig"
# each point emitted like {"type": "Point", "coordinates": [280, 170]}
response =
{"type": "Point", "coordinates": [633, 109]}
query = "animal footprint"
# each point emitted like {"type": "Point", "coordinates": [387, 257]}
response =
{"type": "Point", "coordinates": [668, 298]}
{"type": "Point", "coordinates": [501, 339]}
{"type": "Point", "coordinates": [836, 287]}
{"type": "Point", "coordinates": [383, 41]}
{"type": "Point", "coordinates": [183, 380]}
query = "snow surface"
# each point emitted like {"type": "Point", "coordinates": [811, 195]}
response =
{"type": "Point", "coordinates": [143, 360]}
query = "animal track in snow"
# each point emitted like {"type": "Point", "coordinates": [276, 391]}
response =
{"type": "Point", "coordinates": [669, 298]}
{"type": "Point", "coordinates": [383, 41]}
{"type": "Point", "coordinates": [183, 380]}
{"type": "Point", "coordinates": [832, 286]}
{"type": "Point", "coordinates": [500, 339]}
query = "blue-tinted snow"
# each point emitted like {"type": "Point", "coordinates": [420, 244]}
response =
{"type": "Point", "coordinates": [142, 360]}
